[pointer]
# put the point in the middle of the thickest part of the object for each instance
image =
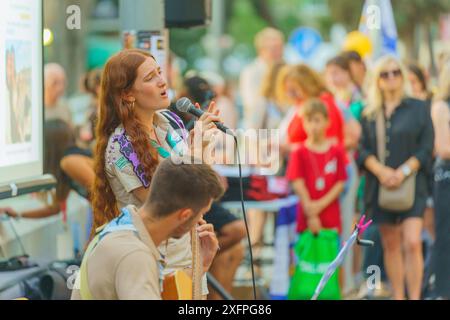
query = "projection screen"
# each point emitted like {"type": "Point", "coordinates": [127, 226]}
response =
{"type": "Point", "coordinates": [21, 90]}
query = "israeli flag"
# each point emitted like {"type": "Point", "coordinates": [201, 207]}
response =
{"type": "Point", "coordinates": [377, 22]}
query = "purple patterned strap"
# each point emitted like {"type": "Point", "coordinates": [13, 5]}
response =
{"type": "Point", "coordinates": [127, 150]}
{"type": "Point", "coordinates": [175, 119]}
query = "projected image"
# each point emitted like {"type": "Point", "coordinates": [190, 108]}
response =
{"type": "Point", "coordinates": [18, 92]}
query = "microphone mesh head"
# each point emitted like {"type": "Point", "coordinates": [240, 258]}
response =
{"type": "Point", "coordinates": [183, 104]}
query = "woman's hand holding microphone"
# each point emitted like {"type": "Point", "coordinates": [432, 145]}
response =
{"type": "Point", "coordinates": [206, 130]}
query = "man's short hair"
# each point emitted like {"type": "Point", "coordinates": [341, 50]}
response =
{"type": "Point", "coordinates": [177, 186]}
{"type": "Point", "coordinates": [314, 106]}
{"type": "Point", "coordinates": [352, 56]}
{"type": "Point", "coordinates": [52, 68]}
{"type": "Point", "coordinates": [340, 61]}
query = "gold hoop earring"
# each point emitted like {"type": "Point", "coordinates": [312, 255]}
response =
{"type": "Point", "coordinates": [130, 105]}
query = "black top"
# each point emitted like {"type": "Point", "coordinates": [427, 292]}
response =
{"type": "Point", "coordinates": [439, 161]}
{"type": "Point", "coordinates": [73, 184]}
{"type": "Point", "coordinates": [409, 132]}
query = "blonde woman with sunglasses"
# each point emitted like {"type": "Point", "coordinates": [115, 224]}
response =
{"type": "Point", "coordinates": [409, 141]}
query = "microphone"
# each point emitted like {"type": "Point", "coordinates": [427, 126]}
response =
{"type": "Point", "coordinates": [185, 105]}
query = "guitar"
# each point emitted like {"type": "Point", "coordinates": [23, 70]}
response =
{"type": "Point", "coordinates": [178, 285]}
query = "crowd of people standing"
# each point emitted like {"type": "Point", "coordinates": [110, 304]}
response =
{"type": "Point", "coordinates": [412, 146]}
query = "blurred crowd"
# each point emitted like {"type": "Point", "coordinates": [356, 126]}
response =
{"type": "Point", "coordinates": [354, 94]}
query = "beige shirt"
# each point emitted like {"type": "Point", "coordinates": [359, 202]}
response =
{"type": "Point", "coordinates": [123, 181]}
{"type": "Point", "coordinates": [124, 265]}
{"type": "Point", "coordinates": [250, 88]}
{"type": "Point", "coordinates": [119, 170]}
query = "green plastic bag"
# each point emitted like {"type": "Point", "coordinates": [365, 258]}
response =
{"type": "Point", "coordinates": [315, 253]}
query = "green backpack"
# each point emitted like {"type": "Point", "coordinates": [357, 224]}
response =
{"type": "Point", "coordinates": [315, 253]}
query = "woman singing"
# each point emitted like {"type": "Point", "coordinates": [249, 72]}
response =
{"type": "Point", "coordinates": [134, 131]}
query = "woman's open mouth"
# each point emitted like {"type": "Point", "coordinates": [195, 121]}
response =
{"type": "Point", "coordinates": [164, 94]}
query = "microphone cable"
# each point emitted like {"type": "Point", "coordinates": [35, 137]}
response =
{"type": "Point", "coordinates": [180, 107]}
{"type": "Point", "coordinates": [245, 215]}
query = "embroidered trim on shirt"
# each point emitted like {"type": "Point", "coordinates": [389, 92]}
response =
{"type": "Point", "coordinates": [127, 150]}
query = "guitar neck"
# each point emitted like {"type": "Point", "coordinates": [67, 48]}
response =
{"type": "Point", "coordinates": [196, 266]}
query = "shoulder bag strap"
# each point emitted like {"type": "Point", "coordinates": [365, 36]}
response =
{"type": "Point", "coordinates": [381, 136]}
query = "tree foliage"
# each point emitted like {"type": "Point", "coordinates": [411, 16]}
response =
{"type": "Point", "coordinates": [244, 18]}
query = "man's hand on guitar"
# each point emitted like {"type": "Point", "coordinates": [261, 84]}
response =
{"type": "Point", "coordinates": [209, 245]}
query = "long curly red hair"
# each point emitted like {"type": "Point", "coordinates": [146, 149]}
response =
{"type": "Point", "coordinates": [118, 77]}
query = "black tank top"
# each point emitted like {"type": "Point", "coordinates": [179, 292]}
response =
{"type": "Point", "coordinates": [73, 184]}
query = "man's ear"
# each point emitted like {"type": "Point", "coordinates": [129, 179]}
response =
{"type": "Point", "coordinates": [184, 214]}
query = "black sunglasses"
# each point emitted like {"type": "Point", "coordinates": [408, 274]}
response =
{"type": "Point", "coordinates": [394, 73]}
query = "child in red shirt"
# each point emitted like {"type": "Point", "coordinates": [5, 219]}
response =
{"type": "Point", "coordinates": [317, 172]}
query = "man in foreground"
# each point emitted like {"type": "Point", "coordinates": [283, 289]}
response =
{"type": "Point", "coordinates": [125, 263]}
